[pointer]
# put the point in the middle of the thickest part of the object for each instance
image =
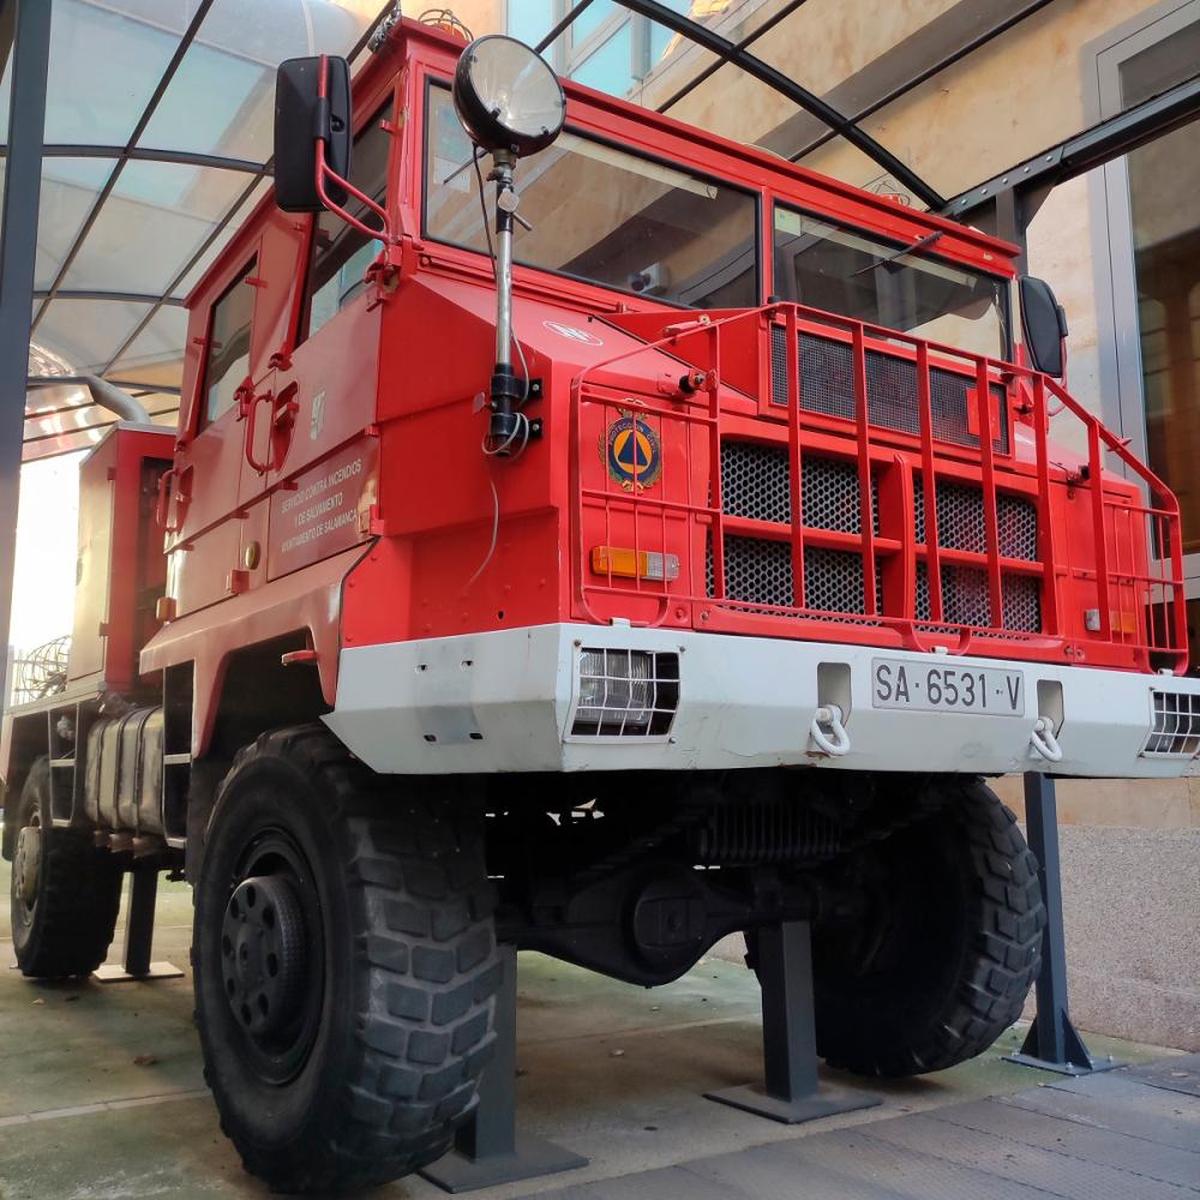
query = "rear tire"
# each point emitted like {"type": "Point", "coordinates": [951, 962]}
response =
{"type": "Point", "coordinates": [946, 965]}
{"type": "Point", "coordinates": [64, 894]}
{"type": "Point", "coordinates": [940, 964]}
{"type": "Point", "coordinates": [350, 1053]}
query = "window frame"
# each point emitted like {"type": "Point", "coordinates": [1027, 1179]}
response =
{"type": "Point", "coordinates": [303, 331]}
{"type": "Point", "coordinates": [1121, 383]}
{"type": "Point", "coordinates": [240, 278]}
{"type": "Point", "coordinates": [1004, 284]}
{"type": "Point", "coordinates": [757, 195]}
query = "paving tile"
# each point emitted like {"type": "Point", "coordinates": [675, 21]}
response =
{"type": "Point", "coordinates": [1174, 1127]}
{"type": "Point", "coordinates": [1058, 1174]}
{"type": "Point", "coordinates": [1173, 1075]}
{"type": "Point", "coordinates": [1168, 1164]}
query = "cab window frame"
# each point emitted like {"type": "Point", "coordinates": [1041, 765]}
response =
{"type": "Point", "coordinates": [346, 234]}
{"type": "Point", "coordinates": [205, 416]}
{"type": "Point", "coordinates": [887, 241]}
{"type": "Point", "coordinates": [757, 195]}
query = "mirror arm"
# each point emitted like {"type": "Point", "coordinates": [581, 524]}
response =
{"type": "Point", "coordinates": [324, 172]}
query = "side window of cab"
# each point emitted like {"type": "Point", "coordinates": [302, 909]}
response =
{"type": "Point", "coordinates": [340, 253]}
{"type": "Point", "coordinates": [227, 355]}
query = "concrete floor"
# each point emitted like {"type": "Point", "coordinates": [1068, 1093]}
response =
{"type": "Point", "coordinates": [101, 1093]}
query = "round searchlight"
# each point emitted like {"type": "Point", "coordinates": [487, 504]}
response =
{"type": "Point", "coordinates": [507, 97]}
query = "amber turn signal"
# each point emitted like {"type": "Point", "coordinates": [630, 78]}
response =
{"type": "Point", "coordinates": [635, 564]}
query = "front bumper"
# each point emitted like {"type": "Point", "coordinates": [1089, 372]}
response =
{"type": "Point", "coordinates": [506, 701]}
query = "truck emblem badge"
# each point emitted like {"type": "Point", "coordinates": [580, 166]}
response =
{"type": "Point", "coordinates": [572, 333]}
{"type": "Point", "coordinates": [632, 452]}
{"type": "Point", "coordinates": [317, 421]}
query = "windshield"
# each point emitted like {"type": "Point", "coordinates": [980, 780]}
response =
{"type": "Point", "coordinates": [844, 271]}
{"type": "Point", "coordinates": [602, 214]}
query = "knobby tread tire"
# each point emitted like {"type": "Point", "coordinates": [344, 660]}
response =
{"type": "Point", "coordinates": [400, 1070]}
{"type": "Point", "coordinates": [913, 1018]}
{"type": "Point", "coordinates": [78, 897]}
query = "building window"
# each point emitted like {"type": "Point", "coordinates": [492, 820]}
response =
{"type": "Point", "coordinates": [606, 47]}
{"type": "Point", "coordinates": [1148, 261]}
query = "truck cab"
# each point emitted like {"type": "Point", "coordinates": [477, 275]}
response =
{"type": "Point", "coordinates": [599, 550]}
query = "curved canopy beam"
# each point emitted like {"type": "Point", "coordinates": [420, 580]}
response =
{"type": "Point", "coordinates": [811, 103]}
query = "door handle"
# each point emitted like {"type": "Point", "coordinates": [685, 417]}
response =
{"type": "Point", "coordinates": [283, 419]}
{"type": "Point", "coordinates": [249, 411]}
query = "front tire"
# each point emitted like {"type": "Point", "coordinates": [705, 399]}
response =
{"type": "Point", "coordinates": [345, 964]}
{"type": "Point", "coordinates": [64, 894]}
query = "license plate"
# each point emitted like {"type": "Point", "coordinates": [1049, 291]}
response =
{"type": "Point", "coordinates": [896, 683]}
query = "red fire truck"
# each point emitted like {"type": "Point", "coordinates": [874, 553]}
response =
{"type": "Point", "coordinates": [670, 554]}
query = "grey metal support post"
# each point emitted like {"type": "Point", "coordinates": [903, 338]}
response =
{"type": "Point", "coordinates": [1052, 1042]}
{"type": "Point", "coordinates": [139, 921]}
{"type": "Point", "coordinates": [139, 933]}
{"type": "Point", "coordinates": [18, 249]}
{"type": "Point", "coordinates": [488, 1149]}
{"type": "Point", "coordinates": [791, 1092]}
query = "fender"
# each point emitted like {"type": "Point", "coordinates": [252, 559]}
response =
{"type": "Point", "coordinates": [310, 599]}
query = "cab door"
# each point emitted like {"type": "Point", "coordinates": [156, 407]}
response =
{"type": "Point", "coordinates": [324, 486]}
{"type": "Point", "coordinates": [201, 492]}
{"type": "Point", "coordinates": [268, 414]}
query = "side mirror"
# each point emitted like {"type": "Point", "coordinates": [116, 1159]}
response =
{"type": "Point", "coordinates": [1043, 324]}
{"type": "Point", "coordinates": [306, 111]}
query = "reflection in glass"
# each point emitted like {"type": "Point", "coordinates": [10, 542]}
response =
{"type": "Point", "coordinates": [604, 215]}
{"type": "Point", "coordinates": [341, 253]}
{"type": "Point", "coordinates": [610, 67]}
{"type": "Point", "coordinates": [227, 356]}
{"type": "Point", "coordinates": [841, 270]}
{"type": "Point", "coordinates": [1164, 194]}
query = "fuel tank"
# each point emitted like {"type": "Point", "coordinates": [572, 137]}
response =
{"type": "Point", "coordinates": [123, 784]}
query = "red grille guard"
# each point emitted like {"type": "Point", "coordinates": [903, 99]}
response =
{"type": "Point", "coordinates": [1106, 596]}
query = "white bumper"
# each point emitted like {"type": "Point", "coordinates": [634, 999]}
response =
{"type": "Point", "coordinates": [504, 701]}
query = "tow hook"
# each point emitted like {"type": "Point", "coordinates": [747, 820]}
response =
{"type": "Point", "coordinates": [828, 731]}
{"type": "Point", "coordinates": [1043, 741]}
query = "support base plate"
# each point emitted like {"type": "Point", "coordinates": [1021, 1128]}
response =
{"type": "Point", "coordinates": [112, 973]}
{"type": "Point", "coordinates": [1062, 1068]}
{"type": "Point", "coordinates": [534, 1156]}
{"type": "Point", "coordinates": [753, 1098]}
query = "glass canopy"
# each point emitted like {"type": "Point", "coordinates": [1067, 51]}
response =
{"type": "Point", "coordinates": [158, 137]}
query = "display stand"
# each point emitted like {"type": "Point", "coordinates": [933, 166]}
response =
{"type": "Point", "coordinates": [489, 1150]}
{"type": "Point", "coordinates": [1052, 1043]}
{"type": "Point", "coordinates": [791, 1091]}
{"type": "Point", "coordinates": [139, 934]}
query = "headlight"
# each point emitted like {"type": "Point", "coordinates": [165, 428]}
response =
{"type": "Point", "coordinates": [626, 693]}
{"type": "Point", "coordinates": [507, 97]}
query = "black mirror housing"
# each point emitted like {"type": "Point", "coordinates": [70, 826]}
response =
{"type": "Point", "coordinates": [300, 118]}
{"type": "Point", "coordinates": [1043, 326]}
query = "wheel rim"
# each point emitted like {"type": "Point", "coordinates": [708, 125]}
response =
{"type": "Point", "coordinates": [271, 953]}
{"type": "Point", "coordinates": [27, 867]}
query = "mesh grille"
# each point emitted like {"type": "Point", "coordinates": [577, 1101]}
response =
{"type": "Point", "coordinates": [966, 601]}
{"type": "Point", "coordinates": [961, 524]}
{"type": "Point", "coordinates": [759, 571]}
{"type": "Point", "coordinates": [1176, 728]}
{"type": "Point", "coordinates": [827, 386]}
{"type": "Point", "coordinates": [755, 484]}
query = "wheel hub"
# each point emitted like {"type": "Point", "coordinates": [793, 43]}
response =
{"type": "Point", "coordinates": [27, 864]}
{"type": "Point", "coordinates": [264, 955]}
